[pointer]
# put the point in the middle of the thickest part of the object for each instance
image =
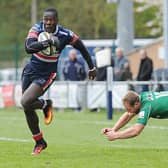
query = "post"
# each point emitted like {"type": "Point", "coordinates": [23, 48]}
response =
{"type": "Point", "coordinates": [165, 17]}
{"type": "Point", "coordinates": [109, 93]}
{"type": "Point", "coordinates": [125, 25]}
{"type": "Point", "coordinates": [34, 11]}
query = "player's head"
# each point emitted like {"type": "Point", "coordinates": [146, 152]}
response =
{"type": "Point", "coordinates": [50, 19]}
{"type": "Point", "coordinates": [131, 102]}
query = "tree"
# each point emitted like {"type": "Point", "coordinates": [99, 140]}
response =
{"type": "Point", "coordinates": [91, 19]}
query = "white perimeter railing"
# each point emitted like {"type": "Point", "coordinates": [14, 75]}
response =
{"type": "Point", "coordinates": [86, 94]}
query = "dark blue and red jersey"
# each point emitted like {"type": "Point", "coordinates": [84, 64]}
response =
{"type": "Point", "coordinates": [42, 68]}
{"type": "Point", "coordinates": [47, 64]}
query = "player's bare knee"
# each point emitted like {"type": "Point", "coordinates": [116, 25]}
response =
{"type": "Point", "coordinates": [25, 103]}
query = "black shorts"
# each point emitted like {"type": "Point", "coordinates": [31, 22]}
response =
{"type": "Point", "coordinates": [30, 76]}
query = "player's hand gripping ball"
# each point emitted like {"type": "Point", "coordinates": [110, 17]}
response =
{"type": "Point", "coordinates": [52, 49]}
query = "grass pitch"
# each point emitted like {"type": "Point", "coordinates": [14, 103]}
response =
{"type": "Point", "coordinates": [74, 141]}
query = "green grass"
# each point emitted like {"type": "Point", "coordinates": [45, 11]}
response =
{"type": "Point", "coordinates": [74, 141]}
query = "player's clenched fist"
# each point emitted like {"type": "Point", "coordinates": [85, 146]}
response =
{"type": "Point", "coordinates": [112, 135]}
{"type": "Point", "coordinates": [105, 130]}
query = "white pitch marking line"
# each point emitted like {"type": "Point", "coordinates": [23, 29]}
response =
{"type": "Point", "coordinates": [13, 139]}
{"type": "Point", "coordinates": [157, 127]}
{"type": "Point", "coordinates": [126, 146]}
{"type": "Point", "coordinates": [107, 123]}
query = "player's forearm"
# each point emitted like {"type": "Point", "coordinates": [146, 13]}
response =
{"type": "Point", "coordinates": [128, 133]}
{"type": "Point", "coordinates": [80, 46]}
{"type": "Point", "coordinates": [123, 120]}
{"type": "Point", "coordinates": [33, 46]}
{"type": "Point", "coordinates": [133, 131]}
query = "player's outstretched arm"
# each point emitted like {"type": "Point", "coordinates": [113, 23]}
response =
{"type": "Point", "coordinates": [133, 131]}
{"type": "Point", "coordinates": [122, 121]}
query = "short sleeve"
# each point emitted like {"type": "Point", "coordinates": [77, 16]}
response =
{"type": "Point", "coordinates": [34, 31]}
{"type": "Point", "coordinates": [144, 114]}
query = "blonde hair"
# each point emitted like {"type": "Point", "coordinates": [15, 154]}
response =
{"type": "Point", "coordinates": [131, 97]}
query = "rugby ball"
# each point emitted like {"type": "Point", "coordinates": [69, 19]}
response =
{"type": "Point", "coordinates": [42, 37]}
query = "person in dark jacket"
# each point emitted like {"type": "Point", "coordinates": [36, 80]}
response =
{"type": "Point", "coordinates": [73, 69]}
{"type": "Point", "coordinates": [119, 62]}
{"type": "Point", "coordinates": [145, 69]}
{"type": "Point", "coordinates": [102, 72]}
{"type": "Point", "coordinates": [126, 73]}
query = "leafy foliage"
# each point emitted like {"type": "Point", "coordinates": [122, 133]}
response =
{"type": "Point", "coordinates": [147, 21]}
{"type": "Point", "coordinates": [91, 19]}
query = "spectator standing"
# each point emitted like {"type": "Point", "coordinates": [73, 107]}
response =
{"type": "Point", "coordinates": [73, 69]}
{"type": "Point", "coordinates": [145, 69]}
{"type": "Point", "coordinates": [126, 73]}
{"type": "Point", "coordinates": [102, 72]}
{"type": "Point", "coordinates": [119, 62]}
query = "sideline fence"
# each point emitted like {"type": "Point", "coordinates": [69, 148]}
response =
{"type": "Point", "coordinates": [85, 94]}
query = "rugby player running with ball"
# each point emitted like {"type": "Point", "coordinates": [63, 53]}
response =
{"type": "Point", "coordinates": [40, 72]}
